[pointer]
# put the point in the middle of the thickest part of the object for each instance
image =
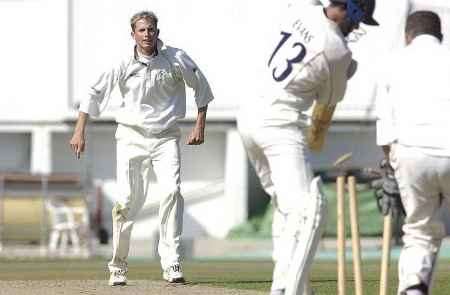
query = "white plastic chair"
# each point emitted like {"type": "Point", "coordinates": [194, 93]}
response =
{"type": "Point", "coordinates": [64, 225]}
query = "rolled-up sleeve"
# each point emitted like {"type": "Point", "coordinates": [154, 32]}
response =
{"type": "Point", "coordinates": [195, 79]}
{"type": "Point", "coordinates": [98, 94]}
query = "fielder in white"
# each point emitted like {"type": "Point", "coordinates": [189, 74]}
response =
{"type": "Point", "coordinates": [412, 127]}
{"type": "Point", "coordinates": [152, 83]}
{"type": "Point", "coordinates": [309, 63]}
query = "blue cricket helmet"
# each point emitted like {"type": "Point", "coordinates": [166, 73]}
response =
{"type": "Point", "coordinates": [360, 11]}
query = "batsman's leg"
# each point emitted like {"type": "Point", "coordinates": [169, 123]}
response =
{"type": "Point", "coordinates": [292, 177]}
{"type": "Point", "coordinates": [279, 249]}
{"type": "Point", "coordinates": [261, 165]}
{"type": "Point", "coordinates": [312, 226]}
{"type": "Point", "coordinates": [269, 142]}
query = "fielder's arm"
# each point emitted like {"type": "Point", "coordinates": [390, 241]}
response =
{"type": "Point", "coordinates": [320, 122]}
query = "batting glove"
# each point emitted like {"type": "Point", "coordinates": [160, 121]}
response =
{"type": "Point", "coordinates": [387, 193]}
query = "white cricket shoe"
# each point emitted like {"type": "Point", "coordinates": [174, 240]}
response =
{"type": "Point", "coordinates": [174, 274]}
{"type": "Point", "coordinates": [118, 278]}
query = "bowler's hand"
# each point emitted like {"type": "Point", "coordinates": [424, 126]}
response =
{"type": "Point", "coordinates": [78, 143]}
{"type": "Point", "coordinates": [197, 136]}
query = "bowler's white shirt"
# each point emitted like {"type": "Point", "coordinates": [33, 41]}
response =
{"type": "Point", "coordinates": [413, 103]}
{"type": "Point", "coordinates": [153, 90]}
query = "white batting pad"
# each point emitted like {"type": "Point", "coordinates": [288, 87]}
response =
{"type": "Point", "coordinates": [314, 220]}
{"type": "Point", "coordinates": [416, 265]}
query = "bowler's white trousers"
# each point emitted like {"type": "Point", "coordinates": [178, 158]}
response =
{"type": "Point", "coordinates": [280, 158]}
{"type": "Point", "coordinates": [423, 181]}
{"type": "Point", "coordinates": [137, 153]}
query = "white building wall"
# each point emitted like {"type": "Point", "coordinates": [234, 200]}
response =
{"type": "Point", "coordinates": [34, 60]}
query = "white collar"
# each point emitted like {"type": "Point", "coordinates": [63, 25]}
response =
{"type": "Point", "coordinates": [145, 59]}
{"type": "Point", "coordinates": [425, 39]}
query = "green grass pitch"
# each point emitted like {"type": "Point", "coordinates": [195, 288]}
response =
{"type": "Point", "coordinates": [255, 275]}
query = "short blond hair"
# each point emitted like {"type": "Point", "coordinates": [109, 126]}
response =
{"type": "Point", "coordinates": [150, 15]}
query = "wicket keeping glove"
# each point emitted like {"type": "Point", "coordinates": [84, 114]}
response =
{"type": "Point", "coordinates": [387, 193]}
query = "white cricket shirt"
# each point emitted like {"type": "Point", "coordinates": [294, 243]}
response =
{"type": "Point", "coordinates": [413, 102]}
{"type": "Point", "coordinates": [153, 89]}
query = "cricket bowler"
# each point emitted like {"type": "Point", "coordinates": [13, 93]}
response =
{"type": "Point", "coordinates": [152, 82]}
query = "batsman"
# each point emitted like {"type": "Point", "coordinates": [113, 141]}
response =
{"type": "Point", "coordinates": [307, 68]}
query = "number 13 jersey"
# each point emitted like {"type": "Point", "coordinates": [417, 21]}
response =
{"type": "Point", "coordinates": [308, 60]}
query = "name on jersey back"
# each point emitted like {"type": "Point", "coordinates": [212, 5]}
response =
{"type": "Point", "coordinates": [300, 28]}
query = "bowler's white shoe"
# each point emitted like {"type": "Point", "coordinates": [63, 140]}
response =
{"type": "Point", "coordinates": [118, 278]}
{"type": "Point", "coordinates": [174, 274]}
{"type": "Point", "coordinates": [277, 292]}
